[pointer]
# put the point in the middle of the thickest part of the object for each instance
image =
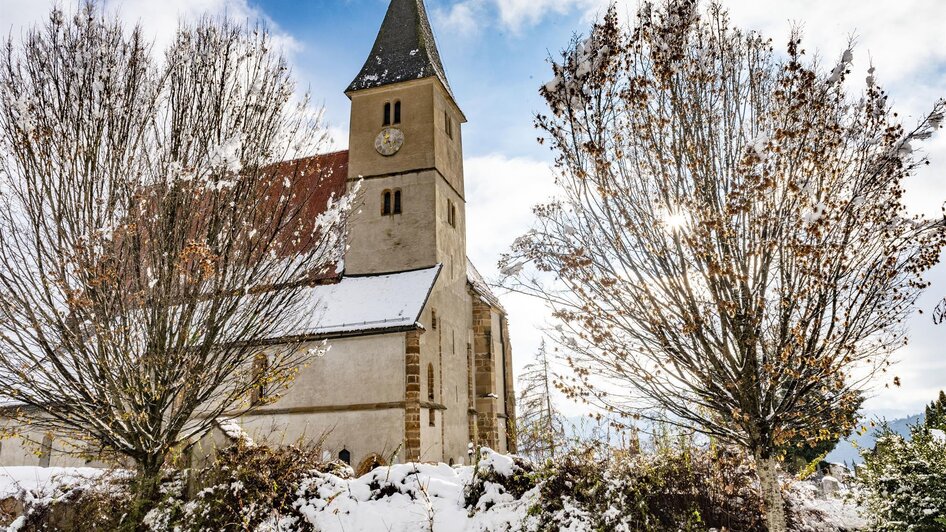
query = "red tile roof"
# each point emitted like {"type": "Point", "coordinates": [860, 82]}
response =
{"type": "Point", "coordinates": [315, 180]}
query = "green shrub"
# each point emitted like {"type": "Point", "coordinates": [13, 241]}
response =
{"type": "Point", "coordinates": [903, 482]}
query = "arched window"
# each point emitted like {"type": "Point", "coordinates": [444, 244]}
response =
{"type": "Point", "coordinates": [387, 114]}
{"type": "Point", "coordinates": [386, 203]}
{"type": "Point", "coordinates": [260, 369]}
{"type": "Point", "coordinates": [374, 460]}
{"type": "Point", "coordinates": [46, 451]}
{"type": "Point", "coordinates": [430, 382]}
{"type": "Point", "coordinates": [397, 202]}
{"type": "Point", "coordinates": [397, 112]}
{"type": "Point", "coordinates": [345, 456]}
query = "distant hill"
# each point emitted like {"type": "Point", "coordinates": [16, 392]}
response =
{"type": "Point", "coordinates": [846, 452]}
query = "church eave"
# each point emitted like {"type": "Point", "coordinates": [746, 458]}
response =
{"type": "Point", "coordinates": [446, 89]}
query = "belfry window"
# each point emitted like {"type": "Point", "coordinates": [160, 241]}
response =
{"type": "Point", "coordinates": [390, 202]}
{"type": "Point", "coordinates": [389, 117]}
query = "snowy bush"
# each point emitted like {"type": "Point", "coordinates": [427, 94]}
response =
{"type": "Point", "coordinates": [73, 503]}
{"type": "Point", "coordinates": [246, 484]}
{"type": "Point", "coordinates": [497, 474]}
{"type": "Point", "coordinates": [903, 481]}
{"type": "Point", "coordinates": [675, 488]}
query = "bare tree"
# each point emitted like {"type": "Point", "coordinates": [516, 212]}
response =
{"type": "Point", "coordinates": [148, 242]}
{"type": "Point", "coordinates": [729, 249]}
{"type": "Point", "coordinates": [540, 427]}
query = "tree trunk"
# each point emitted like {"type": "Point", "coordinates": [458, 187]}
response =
{"type": "Point", "coordinates": [147, 490]}
{"type": "Point", "coordinates": [771, 494]}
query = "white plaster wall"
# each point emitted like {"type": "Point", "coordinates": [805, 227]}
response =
{"type": "Point", "coordinates": [359, 370]}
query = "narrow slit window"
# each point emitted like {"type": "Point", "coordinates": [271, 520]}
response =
{"type": "Point", "coordinates": [433, 418]}
{"type": "Point", "coordinates": [451, 213]}
{"type": "Point", "coordinates": [387, 113]}
{"type": "Point", "coordinates": [430, 382]}
{"type": "Point", "coordinates": [46, 451]}
{"type": "Point", "coordinates": [260, 368]}
{"type": "Point", "coordinates": [447, 125]}
{"type": "Point", "coordinates": [397, 202]}
{"type": "Point", "coordinates": [397, 112]}
{"type": "Point", "coordinates": [386, 203]}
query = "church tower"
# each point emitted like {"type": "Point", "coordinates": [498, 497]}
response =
{"type": "Point", "coordinates": [405, 144]}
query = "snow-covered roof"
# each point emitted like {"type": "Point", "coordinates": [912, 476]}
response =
{"type": "Point", "coordinates": [368, 303]}
{"type": "Point", "coordinates": [481, 287]}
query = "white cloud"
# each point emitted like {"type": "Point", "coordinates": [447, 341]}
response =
{"type": "Point", "coordinates": [337, 138]}
{"type": "Point", "coordinates": [516, 14]}
{"type": "Point", "coordinates": [158, 19]}
{"type": "Point", "coordinates": [462, 18]}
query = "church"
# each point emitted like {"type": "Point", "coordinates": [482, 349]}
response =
{"type": "Point", "coordinates": [420, 362]}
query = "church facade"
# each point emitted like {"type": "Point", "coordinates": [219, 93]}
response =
{"type": "Point", "coordinates": [420, 361]}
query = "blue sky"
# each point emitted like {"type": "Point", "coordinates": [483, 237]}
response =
{"type": "Point", "coordinates": [494, 69]}
{"type": "Point", "coordinates": [495, 55]}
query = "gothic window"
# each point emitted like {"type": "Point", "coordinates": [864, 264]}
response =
{"type": "Point", "coordinates": [46, 450]}
{"type": "Point", "coordinates": [397, 202]}
{"type": "Point", "coordinates": [345, 456]}
{"type": "Point", "coordinates": [430, 382]}
{"type": "Point", "coordinates": [260, 367]}
{"type": "Point", "coordinates": [397, 112]}
{"type": "Point", "coordinates": [387, 114]}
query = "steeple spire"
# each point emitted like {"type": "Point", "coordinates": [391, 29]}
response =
{"type": "Point", "coordinates": [404, 49]}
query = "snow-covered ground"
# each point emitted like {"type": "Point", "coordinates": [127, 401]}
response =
{"type": "Point", "coordinates": [30, 479]}
{"type": "Point", "coordinates": [831, 512]}
{"type": "Point", "coordinates": [429, 497]}
{"type": "Point", "coordinates": [419, 497]}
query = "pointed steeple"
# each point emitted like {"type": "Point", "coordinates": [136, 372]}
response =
{"type": "Point", "coordinates": [404, 49]}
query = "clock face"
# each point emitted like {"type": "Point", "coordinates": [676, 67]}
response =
{"type": "Point", "coordinates": [389, 141]}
